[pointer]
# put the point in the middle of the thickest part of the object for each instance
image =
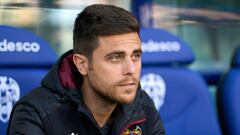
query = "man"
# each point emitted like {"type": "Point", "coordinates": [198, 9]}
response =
{"type": "Point", "coordinates": [94, 88]}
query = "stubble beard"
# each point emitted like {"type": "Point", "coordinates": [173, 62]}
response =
{"type": "Point", "coordinates": [102, 93]}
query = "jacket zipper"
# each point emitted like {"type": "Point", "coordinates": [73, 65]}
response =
{"type": "Point", "coordinates": [137, 121]}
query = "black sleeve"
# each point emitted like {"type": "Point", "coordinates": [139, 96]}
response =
{"type": "Point", "coordinates": [25, 121]}
{"type": "Point", "coordinates": [155, 125]}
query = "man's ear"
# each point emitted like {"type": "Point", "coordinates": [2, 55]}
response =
{"type": "Point", "coordinates": [81, 62]}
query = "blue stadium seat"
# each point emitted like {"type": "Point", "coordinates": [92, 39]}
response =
{"type": "Point", "coordinates": [24, 60]}
{"type": "Point", "coordinates": [180, 94]}
{"type": "Point", "coordinates": [228, 98]}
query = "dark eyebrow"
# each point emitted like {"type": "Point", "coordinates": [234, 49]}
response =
{"type": "Point", "coordinates": [122, 52]}
{"type": "Point", "coordinates": [115, 53]}
{"type": "Point", "coordinates": [138, 51]}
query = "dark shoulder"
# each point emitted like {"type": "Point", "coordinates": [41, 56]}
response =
{"type": "Point", "coordinates": [144, 99]}
{"type": "Point", "coordinates": [147, 105]}
{"type": "Point", "coordinates": [40, 99]}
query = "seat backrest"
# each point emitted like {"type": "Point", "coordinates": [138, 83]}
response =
{"type": "Point", "coordinates": [24, 60]}
{"type": "Point", "coordinates": [180, 94]}
{"type": "Point", "coordinates": [228, 98]}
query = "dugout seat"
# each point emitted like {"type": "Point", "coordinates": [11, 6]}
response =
{"type": "Point", "coordinates": [228, 98]}
{"type": "Point", "coordinates": [24, 59]}
{"type": "Point", "coordinates": [180, 94]}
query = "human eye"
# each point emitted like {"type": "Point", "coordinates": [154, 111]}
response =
{"type": "Point", "coordinates": [115, 58]}
{"type": "Point", "coordinates": [136, 56]}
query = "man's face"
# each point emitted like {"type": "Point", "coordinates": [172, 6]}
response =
{"type": "Point", "coordinates": [115, 68]}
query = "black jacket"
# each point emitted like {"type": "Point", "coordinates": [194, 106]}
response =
{"type": "Point", "coordinates": [56, 108]}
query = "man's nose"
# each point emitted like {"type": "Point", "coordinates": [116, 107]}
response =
{"type": "Point", "coordinates": [128, 67]}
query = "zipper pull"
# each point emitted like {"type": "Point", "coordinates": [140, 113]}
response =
{"type": "Point", "coordinates": [64, 98]}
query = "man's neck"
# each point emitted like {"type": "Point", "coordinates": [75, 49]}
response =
{"type": "Point", "coordinates": [101, 113]}
{"type": "Point", "coordinates": [100, 108]}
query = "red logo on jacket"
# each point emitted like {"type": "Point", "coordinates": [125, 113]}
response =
{"type": "Point", "coordinates": [136, 131]}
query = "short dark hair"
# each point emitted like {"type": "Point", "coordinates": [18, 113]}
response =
{"type": "Point", "coordinates": [100, 20]}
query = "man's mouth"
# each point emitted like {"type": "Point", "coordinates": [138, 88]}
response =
{"type": "Point", "coordinates": [128, 85]}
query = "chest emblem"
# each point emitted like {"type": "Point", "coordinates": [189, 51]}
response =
{"type": "Point", "coordinates": [136, 131]}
